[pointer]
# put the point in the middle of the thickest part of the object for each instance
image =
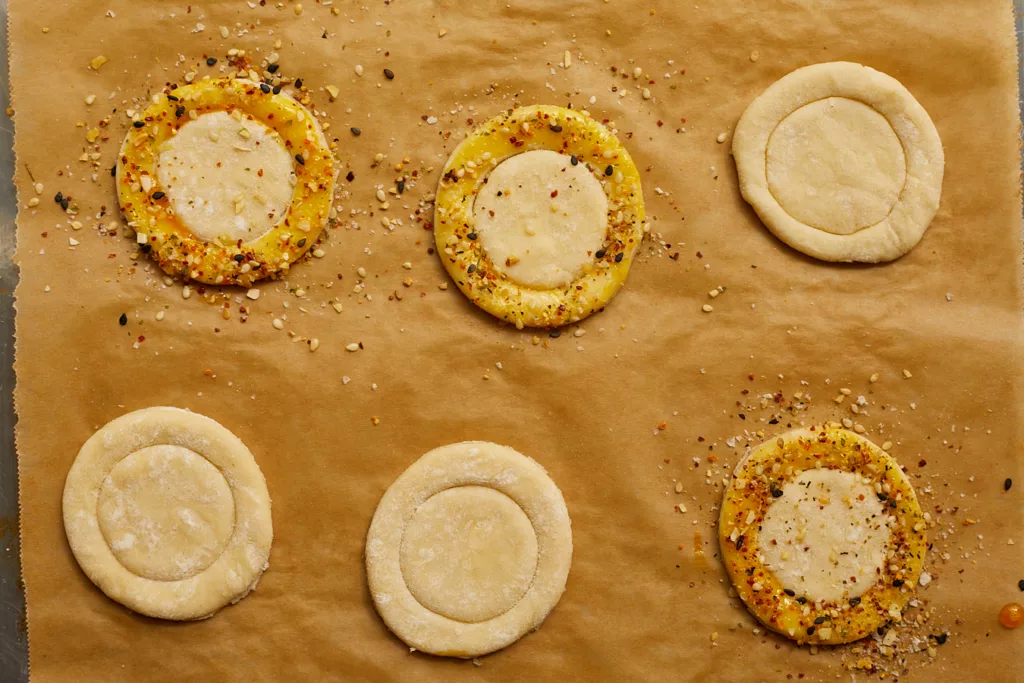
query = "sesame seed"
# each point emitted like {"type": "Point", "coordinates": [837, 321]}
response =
{"type": "Point", "coordinates": [278, 325]}
{"type": "Point", "coordinates": [314, 344]}
{"type": "Point", "coordinates": [253, 294]}
{"type": "Point", "coordinates": [707, 308]}
{"type": "Point", "coordinates": [159, 315]}
{"type": "Point", "coordinates": [721, 137]}
{"type": "Point", "coordinates": [352, 347]}
{"type": "Point", "coordinates": [186, 292]}
{"type": "Point", "coordinates": [359, 69]}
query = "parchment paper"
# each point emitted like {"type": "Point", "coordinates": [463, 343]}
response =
{"type": "Point", "coordinates": [637, 607]}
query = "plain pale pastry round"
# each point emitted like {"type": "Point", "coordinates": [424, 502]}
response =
{"type": "Point", "coordinates": [840, 162]}
{"type": "Point", "coordinates": [167, 512]}
{"type": "Point", "coordinates": [469, 550]}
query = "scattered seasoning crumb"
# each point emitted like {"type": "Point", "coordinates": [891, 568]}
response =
{"type": "Point", "coordinates": [253, 294]}
{"type": "Point", "coordinates": [97, 62]}
{"type": "Point", "coordinates": [210, 61]}
{"type": "Point", "coordinates": [754, 56]}
{"type": "Point", "coordinates": [906, 374]}
{"type": "Point", "coordinates": [1007, 484]}
{"type": "Point", "coordinates": [375, 420]}
{"type": "Point", "coordinates": [356, 132]}
{"type": "Point", "coordinates": [333, 91]}
{"type": "Point", "coordinates": [442, 33]}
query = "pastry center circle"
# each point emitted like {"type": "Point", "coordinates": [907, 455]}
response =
{"type": "Point", "coordinates": [540, 218]}
{"type": "Point", "coordinates": [165, 512]}
{"type": "Point", "coordinates": [836, 165]}
{"type": "Point", "coordinates": [227, 177]}
{"type": "Point", "coordinates": [826, 536]}
{"type": "Point", "coordinates": [469, 553]}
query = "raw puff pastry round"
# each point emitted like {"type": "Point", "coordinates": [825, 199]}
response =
{"type": "Point", "coordinates": [593, 278]}
{"type": "Point", "coordinates": [840, 162]}
{"type": "Point", "coordinates": [265, 119]}
{"type": "Point", "coordinates": [168, 513]}
{"type": "Point", "coordinates": [778, 589]}
{"type": "Point", "coordinates": [468, 550]}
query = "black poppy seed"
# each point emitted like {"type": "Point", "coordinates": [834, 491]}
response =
{"type": "Point", "coordinates": [298, 83]}
{"type": "Point", "coordinates": [618, 258]}
{"type": "Point", "coordinates": [556, 129]}
{"type": "Point", "coordinates": [239, 258]}
{"type": "Point", "coordinates": [158, 195]}
{"type": "Point", "coordinates": [138, 124]}
{"type": "Point", "coordinates": [810, 630]}
{"type": "Point", "coordinates": [210, 61]}
{"type": "Point", "coordinates": [941, 638]}
{"type": "Point", "coordinates": [298, 158]}
{"type": "Point", "coordinates": [356, 132]}
{"type": "Point", "coordinates": [59, 197]}
{"type": "Point", "coordinates": [739, 541]}
{"type": "Point", "coordinates": [573, 160]}
{"type": "Point", "coordinates": [1020, 584]}
{"type": "Point", "coordinates": [600, 253]}
{"type": "Point", "coordinates": [472, 268]}
{"type": "Point", "coordinates": [179, 112]}
{"type": "Point", "coordinates": [273, 68]}
{"type": "Point", "coordinates": [897, 583]}
{"type": "Point", "coordinates": [277, 90]}
{"type": "Point", "coordinates": [113, 171]}
{"type": "Point", "coordinates": [145, 248]}
{"type": "Point", "coordinates": [350, 176]}
{"type": "Point", "coordinates": [302, 242]}
{"type": "Point", "coordinates": [265, 88]}
{"type": "Point", "coordinates": [555, 334]}
{"type": "Point", "coordinates": [789, 592]}
{"type": "Point", "coordinates": [172, 98]}
{"type": "Point", "coordinates": [471, 236]}
{"type": "Point", "coordinates": [854, 602]}
{"type": "Point", "coordinates": [389, 74]}
{"type": "Point", "coordinates": [776, 493]}
{"type": "Point", "coordinates": [819, 620]}
{"type": "Point", "coordinates": [1007, 484]}
{"type": "Point", "coordinates": [609, 170]}
{"type": "Point", "coordinates": [802, 600]}
{"type": "Point", "coordinates": [64, 203]}
{"type": "Point", "coordinates": [400, 186]}
{"type": "Point", "coordinates": [882, 496]}
{"type": "Point", "coordinates": [123, 319]}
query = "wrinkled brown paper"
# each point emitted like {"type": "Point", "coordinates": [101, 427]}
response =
{"type": "Point", "coordinates": [637, 607]}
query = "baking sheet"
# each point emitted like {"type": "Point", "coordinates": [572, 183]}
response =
{"type": "Point", "coordinates": [637, 605]}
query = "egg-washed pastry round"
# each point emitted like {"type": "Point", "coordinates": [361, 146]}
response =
{"type": "Point", "coordinates": [225, 181]}
{"type": "Point", "coordinates": [822, 535]}
{"type": "Point", "coordinates": [167, 512]}
{"type": "Point", "coordinates": [469, 550]}
{"type": "Point", "coordinates": [538, 214]}
{"type": "Point", "coordinates": [840, 162]}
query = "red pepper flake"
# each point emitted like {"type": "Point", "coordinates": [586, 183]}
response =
{"type": "Point", "coordinates": [554, 193]}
